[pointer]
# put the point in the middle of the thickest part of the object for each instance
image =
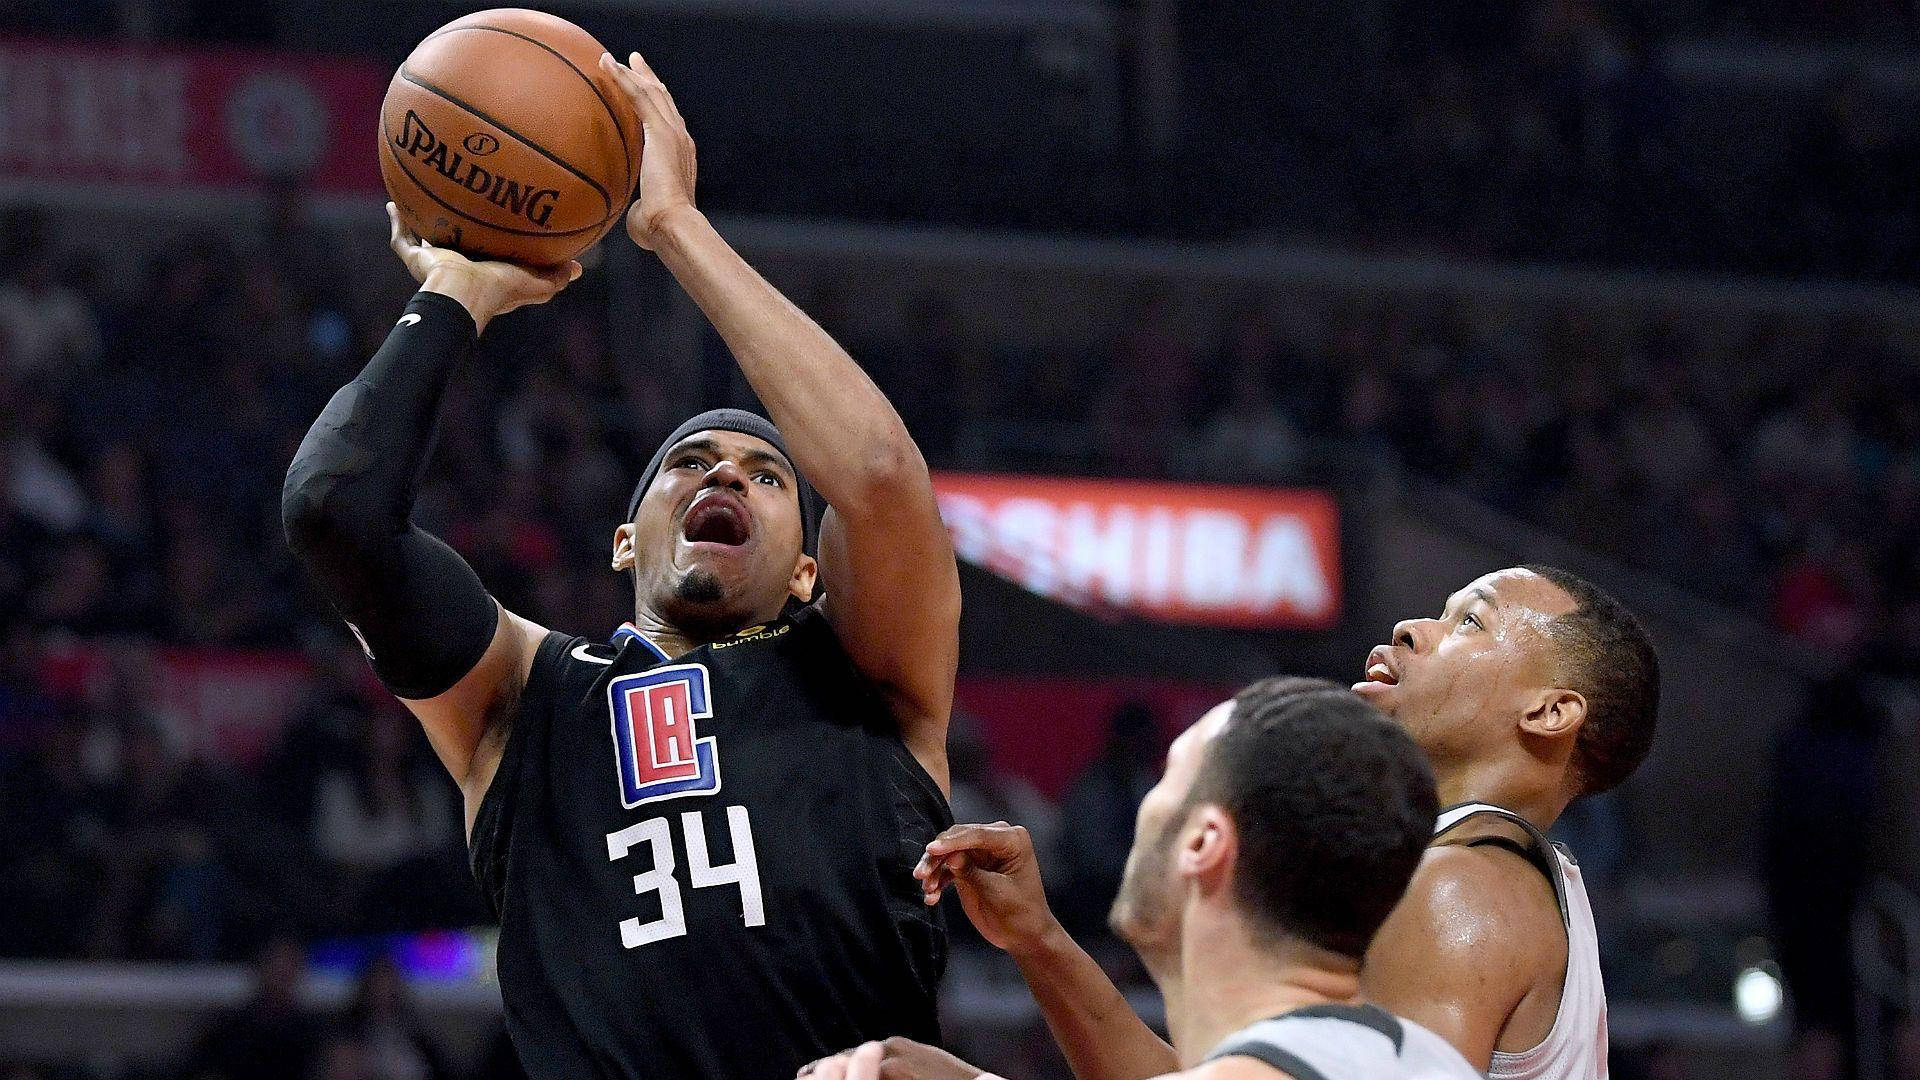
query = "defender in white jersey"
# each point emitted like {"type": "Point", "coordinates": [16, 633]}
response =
{"type": "Point", "coordinates": [1282, 833]}
{"type": "Point", "coordinates": [1531, 689]}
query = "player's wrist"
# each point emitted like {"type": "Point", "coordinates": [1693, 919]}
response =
{"type": "Point", "coordinates": [674, 229]}
{"type": "Point", "coordinates": [466, 286]}
{"type": "Point", "coordinates": [1049, 941]}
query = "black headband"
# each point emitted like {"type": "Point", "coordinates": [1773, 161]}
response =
{"type": "Point", "coordinates": [744, 423]}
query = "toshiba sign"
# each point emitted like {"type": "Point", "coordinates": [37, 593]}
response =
{"type": "Point", "coordinates": [1190, 553]}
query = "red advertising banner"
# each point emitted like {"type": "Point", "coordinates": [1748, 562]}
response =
{"type": "Point", "coordinates": [1046, 728]}
{"type": "Point", "coordinates": [223, 704]}
{"type": "Point", "coordinates": [175, 118]}
{"type": "Point", "coordinates": [1260, 558]}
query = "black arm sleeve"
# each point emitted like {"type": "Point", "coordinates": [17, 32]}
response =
{"type": "Point", "coordinates": [418, 608]}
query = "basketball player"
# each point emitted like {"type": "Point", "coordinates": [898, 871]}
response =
{"type": "Point", "coordinates": [1531, 689]}
{"type": "Point", "coordinates": [1284, 830]}
{"type": "Point", "coordinates": [699, 837]}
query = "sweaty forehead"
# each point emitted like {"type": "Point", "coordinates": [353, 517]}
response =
{"type": "Point", "coordinates": [731, 444]}
{"type": "Point", "coordinates": [1518, 589]}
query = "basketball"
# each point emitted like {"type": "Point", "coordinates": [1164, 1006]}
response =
{"type": "Point", "coordinates": [500, 137]}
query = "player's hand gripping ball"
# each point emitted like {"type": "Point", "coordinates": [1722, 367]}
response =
{"type": "Point", "coordinates": [502, 137]}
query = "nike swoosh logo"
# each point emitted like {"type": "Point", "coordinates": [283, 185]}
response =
{"type": "Point", "coordinates": [408, 319]}
{"type": "Point", "coordinates": [580, 651]}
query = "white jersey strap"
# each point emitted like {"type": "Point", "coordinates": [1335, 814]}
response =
{"type": "Point", "coordinates": [1543, 853]}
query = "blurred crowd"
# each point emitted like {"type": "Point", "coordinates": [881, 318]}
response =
{"type": "Point", "coordinates": [1530, 129]}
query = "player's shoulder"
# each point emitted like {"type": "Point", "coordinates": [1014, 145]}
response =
{"type": "Point", "coordinates": [1475, 897]}
{"type": "Point", "coordinates": [564, 661]}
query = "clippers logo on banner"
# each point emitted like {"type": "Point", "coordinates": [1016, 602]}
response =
{"type": "Point", "coordinates": [1186, 553]}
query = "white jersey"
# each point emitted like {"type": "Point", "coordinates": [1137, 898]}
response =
{"type": "Point", "coordinates": [1576, 1047]}
{"type": "Point", "coordinates": [1347, 1042]}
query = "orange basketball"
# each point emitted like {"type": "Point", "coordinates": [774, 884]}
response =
{"type": "Point", "coordinates": [500, 137]}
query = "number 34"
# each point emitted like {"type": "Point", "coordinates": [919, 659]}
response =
{"type": "Point", "coordinates": [743, 871]}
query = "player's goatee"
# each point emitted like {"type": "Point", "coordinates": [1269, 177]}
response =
{"type": "Point", "coordinates": [699, 587]}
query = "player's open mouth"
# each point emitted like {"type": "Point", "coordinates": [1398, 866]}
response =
{"type": "Point", "coordinates": [717, 519]}
{"type": "Point", "coordinates": [1379, 669]}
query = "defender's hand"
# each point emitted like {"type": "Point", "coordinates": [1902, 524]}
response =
{"type": "Point", "coordinates": [895, 1059]}
{"type": "Point", "coordinates": [485, 288]}
{"type": "Point", "coordinates": [998, 875]}
{"type": "Point", "coordinates": [667, 164]}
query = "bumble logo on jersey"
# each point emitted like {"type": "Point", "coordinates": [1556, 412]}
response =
{"type": "Point", "coordinates": [757, 632]}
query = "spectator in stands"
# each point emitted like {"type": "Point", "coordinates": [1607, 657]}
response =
{"type": "Point", "coordinates": [47, 330]}
{"type": "Point", "coordinates": [55, 843]}
{"type": "Point", "coordinates": [122, 518]}
{"type": "Point", "coordinates": [379, 819]}
{"type": "Point", "coordinates": [342, 1057]}
{"type": "Point", "coordinates": [393, 1041]}
{"type": "Point", "coordinates": [1101, 805]}
{"type": "Point", "coordinates": [1151, 388]}
{"type": "Point", "coordinates": [1815, 858]}
{"type": "Point", "coordinates": [982, 791]}
{"type": "Point", "coordinates": [1250, 439]}
{"type": "Point", "coordinates": [271, 1037]}
{"type": "Point", "coordinates": [1842, 186]}
{"type": "Point", "coordinates": [39, 485]}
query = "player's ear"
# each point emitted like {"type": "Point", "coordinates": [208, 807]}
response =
{"type": "Point", "coordinates": [805, 572]}
{"type": "Point", "coordinates": [1556, 713]}
{"type": "Point", "coordinates": [1207, 847]}
{"type": "Point", "coordinates": [623, 547]}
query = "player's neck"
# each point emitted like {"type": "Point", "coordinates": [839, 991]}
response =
{"type": "Point", "coordinates": [669, 639]}
{"type": "Point", "coordinates": [1226, 982]}
{"type": "Point", "coordinates": [1527, 791]}
{"type": "Point", "coordinates": [674, 641]}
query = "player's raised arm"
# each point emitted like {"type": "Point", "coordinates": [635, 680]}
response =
{"type": "Point", "coordinates": [997, 874]}
{"type": "Point", "coordinates": [892, 590]}
{"type": "Point", "coordinates": [436, 638]}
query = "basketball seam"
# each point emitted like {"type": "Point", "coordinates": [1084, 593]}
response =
{"type": "Point", "coordinates": [618, 128]}
{"type": "Point", "coordinates": [387, 142]}
{"type": "Point", "coordinates": [522, 139]}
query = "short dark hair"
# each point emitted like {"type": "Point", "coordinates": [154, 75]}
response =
{"type": "Point", "coordinates": [1610, 659]}
{"type": "Point", "coordinates": [1333, 805]}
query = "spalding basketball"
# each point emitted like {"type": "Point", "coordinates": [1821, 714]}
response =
{"type": "Point", "coordinates": [501, 138]}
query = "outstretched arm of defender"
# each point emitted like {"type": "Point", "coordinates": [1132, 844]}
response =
{"type": "Point", "coordinates": [997, 874]}
{"type": "Point", "coordinates": [893, 592]}
{"type": "Point", "coordinates": [434, 635]}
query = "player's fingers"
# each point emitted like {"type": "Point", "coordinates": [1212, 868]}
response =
{"type": "Point", "coordinates": [641, 68]}
{"type": "Point", "coordinates": [635, 87]}
{"type": "Point", "coordinates": [654, 84]}
{"type": "Point", "coordinates": [559, 277]}
{"type": "Point", "coordinates": [998, 840]}
{"type": "Point", "coordinates": [396, 236]}
{"type": "Point", "coordinates": [865, 1063]}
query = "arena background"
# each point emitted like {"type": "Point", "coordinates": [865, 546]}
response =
{"type": "Point", "coordinates": [1237, 331]}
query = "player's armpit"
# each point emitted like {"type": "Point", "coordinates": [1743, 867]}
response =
{"type": "Point", "coordinates": [893, 597]}
{"type": "Point", "coordinates": [468, 724]}
{"type": "Point", "coordinates": [1463, 948]}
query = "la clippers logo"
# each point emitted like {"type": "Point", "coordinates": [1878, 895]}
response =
{"type": "Point", "coordinates": [656, 741]}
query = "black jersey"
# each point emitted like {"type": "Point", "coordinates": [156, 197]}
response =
{"type": "Point", "coordinates": [703, 865]}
